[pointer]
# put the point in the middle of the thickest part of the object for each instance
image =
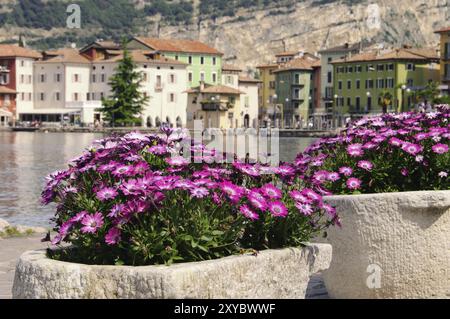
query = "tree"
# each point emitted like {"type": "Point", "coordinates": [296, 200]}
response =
{"type": "Point", "coordinates": [430, 92]}
{"type": "Point", "coordinates": [384, 100]}
{"type": "Point", "coordinates": [126, 103]}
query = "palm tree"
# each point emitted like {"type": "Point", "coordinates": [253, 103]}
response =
{"type": "Point", "coordinates": [385, 100]}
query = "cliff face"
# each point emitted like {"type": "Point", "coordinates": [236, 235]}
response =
{"type": "Point", "coordinates": [253, 37]}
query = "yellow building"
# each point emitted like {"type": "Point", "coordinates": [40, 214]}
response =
{"type": "Point", "coordinates": [267, 90]}
{"type": "Point", "coordinates": [445, 58]}
{"type": "Point", "coordinates": [218, 106]}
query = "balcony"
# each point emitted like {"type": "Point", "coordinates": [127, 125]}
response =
{"type": "Point", "coordinates": [216, 106]}
{"type": "Point", "coordinates": [83, 104]}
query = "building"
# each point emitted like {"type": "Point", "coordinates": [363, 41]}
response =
{"type": "Point", "coordinates": [267, 90]}
{"type": "Point", "coordinates": [360, 80]}
{"type": "Point", "coordinates": [204, 62]}
{"type": "Point", "coordinates": [16, 81]}
{"type": "Point", "coordinates": [324, 111]}
{"type": "Point", "coordinates": [294, 91]}
{"type": "Point", "coordinates": [445, 59]}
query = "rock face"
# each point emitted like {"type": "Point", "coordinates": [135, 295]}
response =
{"type": "Point", "coordinates": [392, 245]}
{"type": "Point", "coordinates": [281, 273]}
{"type": "Point", "coordinates": [3, 224]}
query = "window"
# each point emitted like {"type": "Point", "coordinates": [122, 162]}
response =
{"type": "Point", "coordinates": [57, 96]}
{"type": "Point", "coordinates": [145, 77]}
{"type": "Point", "coordinates": [22, 79]}
{"type": "Point", "coordinates": [58, 77]}
{"type": "Point", "coordinates": [410, 82]}
{"type": "Point", "coordinates": [75, 96]}
{"type": "Point", "coordinates": [29, 79]}
{"type": "Point", "coordinates": [369, 68]}
{"type": "Point", "coordinates": [176, 57]}
{"type": "Point", "coordinates": [340, 85]}
{"type": "Point", "coordinates": [76, 78]}
{"type": "Point", "coordinates": [214, 77]}
{"type": "Point", "coordinates": [358, 69]}
{"type": "Point", "coordinates": [202, 76]}
{"type": "Point", "coordinates": [42, 78]}
{"type": "Point", "coordinates": [102, 95]}
{"type": "Point", "coordinates": [41, 96]}
{"type": "Point", "coordinates": [349, 101]}
{"type": "Point", "coordinates": [172, 78]}
{"type": "Point", "coordinates": [349, 84]}
{"type": "Point", "coordinates": [88, 96]}
{"type": "Point", "coordinates": [202, 60]}
{"type": "Point", "coordinates": [214, 61]}
{"type": "Point", "coordinates": [410, 67]}
{"type": "Point", "coordinates": [158, 81]}
{"type": "Point", "coordinates": [369, 84]}
{"type": "Point", "coordinates": [190, 59]}
{"type": "Point", "coordinates": [329, 77]}
{"type": "Point", "coordinates": [22, 63]}
{"type": "Point", "coordinates": [380, 67]}
{"type": "Point", "coordinates": [4, 78]}
{"type": "Point", "coordinates": [350, 69]}
{"type": "Point", "coordinates": [190, 76]}
{"type": "Point", "coordinates": [171, 97]}
{"type": "Point", "coordinates": [230, 79]}
{"type": "Point", "coordinates": [103, 77]}
{"type": "Point", "coordinates": [380, 84]}
{"type": "Point", "coordinates": [297, 78]}
{"type": "Point", "coordinates": [94, 78]}
{"type": "Point", "coordinates": [272, 84]}
{"type": "Point", "coordinates": [329, 60]}
{"type": "Point", "coordinates": [390, 83]}
{"type": "Point", "coordinates": [358, 84]}
{"type": "Point", "coordinates": [390, 67]}
{"type": "Point", "coordinates": [358, 103]}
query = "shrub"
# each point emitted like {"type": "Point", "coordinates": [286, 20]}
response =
{"type": "Point", "coordinates": [136, 200]}
{"type": "Point", "coordinates": [388, 153]}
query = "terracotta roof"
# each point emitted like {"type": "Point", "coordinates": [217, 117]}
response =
{"type": "Point", "coordinates": [447, 29]}
{"type": "Point", "coordinates": [142, 56]}
{"type": "Point", "coordinates": [342, 48]}
{"type": "Point", "coordinates": [286, 53]}
{"type": "Point", "coordinates": [317, 64]}
{"type": "Point", "coordinates": [64, 56]}
{"type": "Point", "coordinates": [249, 80]}
{"type": "Point", "coordinates": [229, 67]}
{"type": "Point", "coordinates": [108, 45]}
{"type": "Point", "coordinates": [215, 89]}
{"type": "Point", "coordinates": [10, 50]}
{"type": "Point", "coordinates": [396, 54]}
{"type": "Point", "coordinates": [302, 63]}
{"type": "Point", "coordinates": [262, 66]}
{"type": "Point", "coordinates": [6, 90]}
{"type": "Point", "coordinates": [177, 45]}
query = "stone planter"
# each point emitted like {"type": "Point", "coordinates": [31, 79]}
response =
{"type": "Point", "coordinates": [280, 273]}
{"type": "Point", "coordinates": [391, 245]}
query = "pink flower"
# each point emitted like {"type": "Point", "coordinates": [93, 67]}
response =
{"type": "Point", "coordinates": [78, 217]}
{"type": "Point", "coordinates": [247, 212]}
{"type": "Point", "coordinates": [442, 174]}
{"type": "Point", "coordinates": [367, 165]}
{"type": "Point", "coordinates": [177, 161]}
{"type": "Point", "coordinates": [355, 150]}
{"type": "Point", "coordinates": [333, 176]}
{"type": "Point", "coordinates": [271, 191]}
{"type": "Point", "coordinates": [113, 236]}
{"type": "Point", "coordinates": [311, 194]}
{"type": "Point", "coordinates": [411, 148]}
{"type": "Point", "coordinates": [234, 192]}
{"type": "Point", "coordinates": [305, 209]}
{"type": "Point", "coordinates": [346, 171]}
{"type": "Point", "coordinates": [440, 148]}
{"type": "Point", "coordinates": [330, 210]}
{"type": "Point", "coordinates": [123, 170]}
{"type": "Point", "coordinates": [299, 197]}
{"type": "Point", "coordinates": [199, 192]}
{"type": "Point", "coordinates": [353, 183]}
{"type": "Point", "coordinates": [278, 209]}
{"type": "Point", "coordinates": [396, 141]}
{"type": "Point", "coordinates": [106, 193]}
{"type": "Point", "coordinates": [92, 223]}
{"type": "Point", "coordinates": [404, 172]}
{"type": "Point", "coordinates": [257, 200]}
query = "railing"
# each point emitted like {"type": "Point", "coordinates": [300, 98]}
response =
{"type": "Point", "coordinates": [83, 104]}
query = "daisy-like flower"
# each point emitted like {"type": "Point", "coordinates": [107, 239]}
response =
{"type": "Point", "coordinates": [106, 193]}
{"type": "Point", "coordinates": [199, 192]}
{"type": "Point", "coordinates": [419, 158]}
{"type": "Point", "coordinates": [304, 208]}
{"type": "Point", "coordinates": [177, 161]}
{"type": "Point", "coordinates": [440, 148]}
{"type": "Point", "coordinates": [113, 236]}
{"type": "Point", "coordinates": [404, 172]}
{"type": "Point", "coordinates": [333, 176]}
{"type": "Point", "coordinates": [442, 174]}
{"type": "Point", "coordinates": [286, 170]}
{"type": "Point", "coordinates": [311, 194]}
{"type": "Point", "coordinates": [320, 176]}
{"type": "Point", "coordinates": [330, 210]}
{"type": "Point", "coordinates": [141, 168]}
{"type": "Point", "coordinates": [123, 170]}
{"type": "Point", "coordinates": [396, 141]}
{"type": "Point", "coordinates": [271, 191]}
{"type": "Point", "coordinates": [367, 165]}
{"type": "Point", "coordinates": [158, 150]}
{"type": "Point", "coordinates": [355, 150]}
{"type": "Point", "coordinates": [278, 209]}
{"type": "Point", "coordinates": [353, 183]}
{"type": "Point", "coordinates": [346, 171]}
{"type": "Point", "coordinates": [78, 217]}
{"type": "Point", "coordinates": [412, 148]}
{"type": "Point", "coordinates": [299, 197]}
{"type": "Point", "coordinates": [257, 200]}
{"type": "Point", "coordinates": [116, 210]}
{"type": "Point", "coordinates": [92, 223]}
{"type": "Point", "coordinates": [234, 192]}
{"type": "Point", "coordinates": [247, 212]}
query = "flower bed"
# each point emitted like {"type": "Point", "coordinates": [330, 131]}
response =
{"type": "Point", "coordinates": [135, 200]}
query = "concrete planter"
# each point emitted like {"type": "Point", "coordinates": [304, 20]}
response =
{"type": "Point", "coordinates": [280, 273]}
{"type": "Point", "coordinates": [391, 245]}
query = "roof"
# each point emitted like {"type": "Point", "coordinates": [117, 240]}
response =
{"type": "Point", "coordinates": [215, 89]}
{"type": "Point", "coordinates": [443, 30]}
{"type": "Point", "coordinates": [302, 63]}
{"type": "Point", "coordinates": [11, 50]}
{"type": "Point", "coordinates": [229, 67]}
{"type": "Point", "coordinates": [6, 90]}
{"type": "Point", "coordinates": [286, 53]}
{"type": "Point", "coordinates": [65, 55]}
{"type": "Point", "coordinates": [177, 45]}
{"type": "Point", "coordinates": [108, 45]}
{"type": "Point", "coordinates": [396, 54]}
{"type": "Point", "coordinates": [248, 80]}
{"type": "Point", "coordinates": [342, 48]}
{"type": "Point", "coordinates": [317, 64]}
{"type": "Point", "coordinates": [143, 56]}
{"type": "Point", "coordinates": [269, 65]}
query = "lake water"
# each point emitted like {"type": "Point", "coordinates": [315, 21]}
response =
{"type": "Point", "coordinates": [26, 158]}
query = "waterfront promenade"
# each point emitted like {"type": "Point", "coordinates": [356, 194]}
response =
{"type": "Point", "coordinates": [12, 248]}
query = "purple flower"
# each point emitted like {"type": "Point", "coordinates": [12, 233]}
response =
{"type": "Point", "coordinates": [116, 210]}
{"type": "Point", "coordinates": [404, 172]}
{"type": "Point", "coordinates": [106, 193]}
{"type": "Point", "coordinates": [257, 200]}
{"type": "Point", "coordinates": [123, 170]}
{"type": "Point", "coordinates": [271, 191]}
{"type": "Point", "coordinates": [234, 192]}
{"type": "Point", "coordinates": [113, 236]}
{"type": "Point", "coordinates": [346, 171]}
{"type": "Point", "coordinates": [311, 194]}
{"type": "Point", "coordinates": [320, 176]}
{"type": "Point", "coordinates": [199, 192]}
{"type": "Point", "coordinates": [367, 165]}
{"type": "Point", "coordinates": [177, 161]}
{"type": "Point", "coordinates": [396, 141]}
{"type": "Point", "coordinates": [333, 176]}
{"type": "Point", "coordinates": [440, 148]}
{"type": "Point", "coordinates": [299, 197]}
{"type": "Point", "coordinates": [247, 212]}
{"type": "Point", "coordinates": [304, 208]}
{"type": "Point", "coordinates": [278, 209]}
{"type": "Point", "coordinates": [158, 150]}
{"type": "Point", "coordinates": [355, 150]}
{"type": "Point", "coordinates": [412, 148]}
{"type": "Point", "coordinates": [78, 217]}
{"type": "Point", "coordinates": [141, 168]}
{"type": "Point", "coordinates": [330, 210]}
{"type": "Point", "coordinates": [286, 170]}
{"type": "Point", "coordinates": [442, 174]}
{"type": "Point", "coordinates": [353, 183]}
{"type": "Point", "coordinates": [92, 223]}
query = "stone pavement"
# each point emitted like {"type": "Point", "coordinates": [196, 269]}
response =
{"type": "Point", "coordinates": [12, 248]}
